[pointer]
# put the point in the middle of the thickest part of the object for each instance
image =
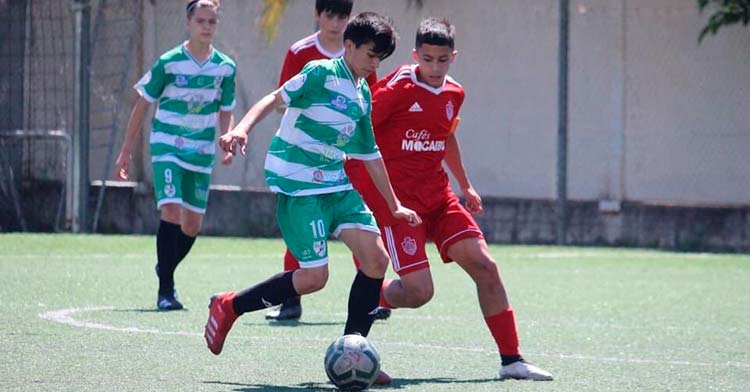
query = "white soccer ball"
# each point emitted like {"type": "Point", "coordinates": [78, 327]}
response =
{"type": "Point", "coordinates": [352, 363]}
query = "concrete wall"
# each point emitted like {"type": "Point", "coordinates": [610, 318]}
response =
{"type": "Point", "coordinates": [505, 221]}
{"type": "Point", "coordinates": [653, 116]}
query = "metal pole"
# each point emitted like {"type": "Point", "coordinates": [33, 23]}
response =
{"type": "Point", "coordinates": [82, 10]}
{"type": "Point", "coordinates": [562, 126]}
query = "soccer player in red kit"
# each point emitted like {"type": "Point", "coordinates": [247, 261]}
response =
{"type": "Point", "coordinates": [414, 116]}
{"type": "Point", "coordinates": [326, 43]}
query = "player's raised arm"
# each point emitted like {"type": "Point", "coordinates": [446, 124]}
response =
{"type": "Point", "coordinates": [376, 169]}
{"type": "Point", "coordinates": [238, 136]}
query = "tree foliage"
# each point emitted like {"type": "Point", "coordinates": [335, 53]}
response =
{"type": "Point", "coordinates": [725, 13]}
{"type": "Point", "coordinates": [273, 11]}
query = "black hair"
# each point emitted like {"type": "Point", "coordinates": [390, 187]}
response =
{"type": "Point", "coordinates": [336, 7]}
{"type": "Point", "coordinates": [370, 27]}
{"type": "Point", "coordinates": [195, 4]}
{"type": "Point", "coordinates": [436, 31]}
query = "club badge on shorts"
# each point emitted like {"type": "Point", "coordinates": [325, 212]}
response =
{"type": "Point", "coordinates": [409, 245]}
{"type": "Point", "coordinates": [320, 248]}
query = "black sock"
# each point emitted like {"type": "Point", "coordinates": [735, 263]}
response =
{"type": "Point", "coordinates": [364, 297]}
{"type": "Point", "coordinates": [184, 243]}
{"type": "Point", "coordinates": [270, 292]}
{"type": "Point", "coordinates": [166, 254]}
{"type": "Point", "coordinates": [508, 359]}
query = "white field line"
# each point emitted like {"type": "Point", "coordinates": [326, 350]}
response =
{"type": "Point", "coordinates": [65, 316]}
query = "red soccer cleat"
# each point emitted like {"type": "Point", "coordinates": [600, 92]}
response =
{"type": "Point", "coordinates": [382, 378]}
{"type": "Point", "coordinates": [221, 316]}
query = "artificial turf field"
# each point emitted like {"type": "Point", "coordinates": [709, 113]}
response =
{"type": "Point", "coordinates": [78, 314]}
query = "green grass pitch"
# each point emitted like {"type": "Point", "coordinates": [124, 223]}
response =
{"type": "Point", "coordinates": [78, 314]}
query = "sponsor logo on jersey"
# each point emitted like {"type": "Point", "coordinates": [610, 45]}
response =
{"type": "Point", "coordinates": [320, 248]}
{"type": "Point", "coordinates": [179, 142]}
{"type": "Point", "coordinates": [340, 102]}
{"type": "Point", "coordinates": [415, 108]}
{"type": "Point", "coordinates": [345, 134]}
{"type": "Point", "coordinates": [169, 190]}
{"type": "Point", "coordinates": [195, 103]}
{"type": "Point", "coordinates": [318, 175]}
{"type": "Point", "coordinates": [321, 177]}
{"type": "Point", "coordinates": [181, 81]}
{"type": "Point", "coordinates": [421, 141]}
{"type": "Point", "coordinates": [409, 245]}
{"type": "Point", "coordinates": [449, 110]}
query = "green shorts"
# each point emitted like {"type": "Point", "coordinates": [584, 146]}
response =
{"type": "Point", "coordinates": [175, 184]}
{"type": "Point", "coordinates": [307, 221]}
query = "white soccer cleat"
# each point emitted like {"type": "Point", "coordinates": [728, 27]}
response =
{"type": "Point", "coordinates": [523, 371]}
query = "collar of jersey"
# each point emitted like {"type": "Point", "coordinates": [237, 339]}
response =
{"type": "Point", "coordinates": [191, 57]}
{"type": "Point", "coordinates": [348, 71]}
{"type": "Point", "coordinates": [323, 50]}
{"type": "Point", "coordinates": [415, 80]}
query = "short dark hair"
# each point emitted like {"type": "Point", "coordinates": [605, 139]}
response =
{"type": "Point", "coordinates": [370, 27]}
{"type": "Point", "coordinates": [436, 31]}
{"type": "Point", "coordinates": [336, 7]}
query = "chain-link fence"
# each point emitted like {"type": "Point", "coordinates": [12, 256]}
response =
{"type": "Point", "coordinates": [36, 96]}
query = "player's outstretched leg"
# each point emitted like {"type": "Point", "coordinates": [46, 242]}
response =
{"type": "Point", "coordinates": [221, 316]}
{"type": "Point", "coordinates": [291, 309]}
{"type": "Point", "coordinates": [473, 256]}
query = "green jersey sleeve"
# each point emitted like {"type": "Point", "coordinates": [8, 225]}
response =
{"type": "Point", "coordinates": [152, 83]}
{"type": "Point", "coordinates": [310, 78]}
{"type": "Point", "coordinates": [363, 146]}
{"type": "Point", "coordinates": [228, 101]}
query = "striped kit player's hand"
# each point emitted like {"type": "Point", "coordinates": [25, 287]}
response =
{"type": "Point", "coordinates": [233, 139]}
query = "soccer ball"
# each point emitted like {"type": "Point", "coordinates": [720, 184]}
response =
{"type": "Point", "coordinates": [352, 363]}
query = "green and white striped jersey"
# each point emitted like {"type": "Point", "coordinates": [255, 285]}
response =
{"type": "Point", "coordinates": [190, 94]}
{"type": "Point", "coordinates": [327, 120]}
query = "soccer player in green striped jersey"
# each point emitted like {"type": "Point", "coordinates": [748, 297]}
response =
{"type": "Point", "coordinates": [193, 86]}
{"type": "Point", "coordinates": [327, 120]}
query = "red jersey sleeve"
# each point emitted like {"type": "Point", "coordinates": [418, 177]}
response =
{"type": "Point", "coordinates": [290, 68]}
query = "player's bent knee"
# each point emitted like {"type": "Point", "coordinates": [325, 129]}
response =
{"type": "Point", "coordinates": [310, 280]}
{"type": "Point", "coordinates": [421, 296]}
{"type": "Point", "coordinates": [191, 230]}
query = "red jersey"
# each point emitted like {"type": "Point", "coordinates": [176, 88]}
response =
{"type": "Point", "coordinates": [412, 123]}
{"type": "Point", "coordinates": [305, 50]}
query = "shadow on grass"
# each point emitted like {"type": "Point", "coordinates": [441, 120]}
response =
{"type": "Point", "coordinates": [148, 310]}
{"type": "Point", "coordinates": [400, 383]}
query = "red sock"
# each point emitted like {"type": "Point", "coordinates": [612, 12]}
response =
{"type": "Point", "coordinates": [290, 262]}
{"type": "Point", "coordinates": [383, 302]}
{"type": "Point", "coordinates": [503, 329]}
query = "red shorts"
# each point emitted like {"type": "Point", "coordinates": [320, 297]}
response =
{"type": "Point", "coordinates": [445, 226]}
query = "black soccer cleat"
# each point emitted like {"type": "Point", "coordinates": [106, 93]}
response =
{"type": "Point", "coordinates": [168, 302]}
{"type": "Point", "coordinates": [381, 313]}
{"type": "Point", "coordinates": [289, 310]}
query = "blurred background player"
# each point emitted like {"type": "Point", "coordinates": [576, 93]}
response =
{"type": "Point", "coordinates": [326, 43]}
{"type": "Point", "coordinates": [415, 115]}
{"type": "Point", "coordinates": [327, 120]}
{"type": "Point", "coordinates": [193, 85]}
